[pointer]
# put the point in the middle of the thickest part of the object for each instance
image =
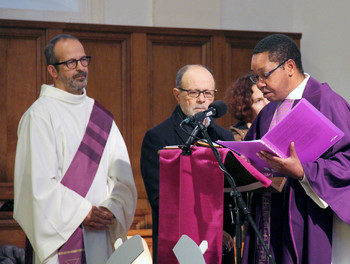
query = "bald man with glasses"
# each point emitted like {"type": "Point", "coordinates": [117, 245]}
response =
{"type": "Point", "coordinates": [194, 91]}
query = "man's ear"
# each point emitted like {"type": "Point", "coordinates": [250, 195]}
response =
{"type": "Point", "coordinates": [176, 93]}
{"type": "Point", "coordinates": [291, 67]}
{"type": "Point", "coordinates": [52, 71]}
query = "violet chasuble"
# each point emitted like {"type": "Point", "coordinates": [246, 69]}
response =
{"type": "Point", "coordinates": [81, 173]}
{"type": "Point", "coordinates": [190, 201]}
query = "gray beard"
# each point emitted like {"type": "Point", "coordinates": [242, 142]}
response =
{"type": "Point", "coordinates": [75, 86]}
{"type": "Point", "coordinates": [78, 86]}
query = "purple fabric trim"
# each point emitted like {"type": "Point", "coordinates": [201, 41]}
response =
{"type": "Point", "coordinates": [82, 171]}
{"type": "Point", "coordinates": [97, 137]}
{"type": "Point", "coordinates": [89, 152]}
{"type": "Point", "coordinates": [73, 250]}
{"type": "Point", "coordinates": [291, 225]}
{"type": "Point", "coordinates": [97, 129]}
{"type": "Point", "coordinates": [83, 168]}
{"type": "Point", "coordinates": [283, 109]}
{"type": "Point", "coordinates": [262, 257]}
{"type": "Point", "coordinates": [102, 116]}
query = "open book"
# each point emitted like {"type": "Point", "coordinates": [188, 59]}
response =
{"type": "Point", "coordinates": [311, 132]}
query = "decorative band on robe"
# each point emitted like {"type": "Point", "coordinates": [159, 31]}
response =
{"type": "Point", "coordinates": [190, 201]}
{"type": "Point", "coordinates": [81, 174]}
{"type": "Point", "coordinates": [265, 224]}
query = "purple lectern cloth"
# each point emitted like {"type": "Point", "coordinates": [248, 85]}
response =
{"type": "Point", "coordinates": [81, 173]}
{"type": "Point", "coordinates": [190, 201]}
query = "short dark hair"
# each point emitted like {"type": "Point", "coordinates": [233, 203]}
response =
{"type": "Point", "coordinates": [181, 72]}
{"type": "Point", "coordinates": [239, 98]}
{"type": "Point", "coordinates": [280, 48]}
{"type": "Point", "coordinates": [50, 55]}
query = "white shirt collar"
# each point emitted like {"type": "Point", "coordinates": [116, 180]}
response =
{"type": "Point", "coordinates": [297, 93]}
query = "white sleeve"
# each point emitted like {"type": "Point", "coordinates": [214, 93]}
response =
{"type": "Point", "coordinates": [310, 192]}
{"type": "Point", "coordinates": [122, 197]}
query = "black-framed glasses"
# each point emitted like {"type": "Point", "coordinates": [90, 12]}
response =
{"type": "Point", "coordinates": [263, 77]}
{"type": "Point", "coordinates": [196, 93]}
{"type": "Point", "coordinates": [73, 63]}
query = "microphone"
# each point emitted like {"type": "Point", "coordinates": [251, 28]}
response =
{"type": "Point", "coordinates": [216, 109]}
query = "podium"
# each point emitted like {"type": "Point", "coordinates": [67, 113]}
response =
{"type": "Point", "coordinates": [191, 197]}
{"type": "Point", "coordinates": [190, 201]}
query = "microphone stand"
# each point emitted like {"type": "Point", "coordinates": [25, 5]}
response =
{"type": "Point", "coordinates": [186, 149]}
{"type": "Point", "coordinates": [239, 202]}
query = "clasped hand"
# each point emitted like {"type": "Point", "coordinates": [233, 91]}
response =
{"type": "Point", "coordinates": [99, 218]}
{"type": "Point", "coordinates": [290, 166]}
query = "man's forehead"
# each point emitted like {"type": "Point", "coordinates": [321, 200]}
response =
{"type": "Point", "coordinates": [68, 48]}
{"type": "Point", "coordinates": [260, 61]}
{"type": "Point", "coordinates": [198, 79]}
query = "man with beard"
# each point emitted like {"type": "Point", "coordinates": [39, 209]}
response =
{"type": "Point", "coordinates": [194, 92]}
{"type": "Point", "coordinates": [74, 189]}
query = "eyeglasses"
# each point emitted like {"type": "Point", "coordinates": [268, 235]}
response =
{"type": "Point", "coordinates": [263, 77]}
{"type": "Point", "coordinates": [73, 63]}
{"type": "Point", "coordinates": [196, 93]}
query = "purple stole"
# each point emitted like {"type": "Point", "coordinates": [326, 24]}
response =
{"type": "Point", "coordinates": [282, 110]}
{"type": "Point", "coordinates": [81, 174]}
{"type": "Point", "coordinates": [190, 201]}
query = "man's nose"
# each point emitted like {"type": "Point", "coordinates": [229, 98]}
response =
{"type": "Point", "coordinates": [80, 66]}
{"type": "Point", "coordinates": [201, 98]}
{"type": "Point", "coordinates": [260, 84]}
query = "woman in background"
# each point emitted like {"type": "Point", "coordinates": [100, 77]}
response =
{"type": "Point", "coordinates": [244, 101]}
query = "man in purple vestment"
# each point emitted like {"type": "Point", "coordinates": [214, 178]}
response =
{"type": "Point", "coordinates": [315, 197]}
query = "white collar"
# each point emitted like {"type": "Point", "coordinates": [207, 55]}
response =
{"type": "Point", "coordinates": [51, 91]}
{"type": "Point", "coordinates": [297, 93]}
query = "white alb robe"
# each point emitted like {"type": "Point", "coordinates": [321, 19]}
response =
{"type": "Point", "coordinates": [49, 134]}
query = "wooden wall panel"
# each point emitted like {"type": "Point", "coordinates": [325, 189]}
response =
{"type": "Point", "coordinates": [139, 113]}
{"type": "Point", "coordinates": [109, 78]}
{"type": "Point", "coordinates": [238, 55]}
{"type": "Point", "coordinates": [167, 54]}
{"type": "Point", "coordinates": [21, 75]}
